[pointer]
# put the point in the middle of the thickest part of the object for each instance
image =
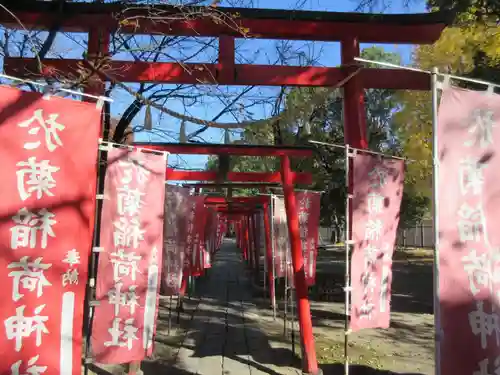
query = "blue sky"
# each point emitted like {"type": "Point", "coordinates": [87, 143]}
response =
{"type": "Point", "coordinates": [254, 51]}
{"type": "Point", "coordinates": [262, 51]}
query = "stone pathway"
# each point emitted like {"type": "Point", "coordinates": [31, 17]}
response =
{"type": "Point", "coordinates": [228, 333]}
{"type": "Point", "coordinates": [220, 332]}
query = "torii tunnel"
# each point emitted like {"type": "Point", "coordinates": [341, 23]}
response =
{"type": "Point", "coordinates": [101, 20]}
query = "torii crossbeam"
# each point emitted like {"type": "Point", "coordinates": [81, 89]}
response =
{"type": "Point", "coordinates": [100, 20]}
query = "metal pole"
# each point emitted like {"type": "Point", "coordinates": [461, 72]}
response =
{"type": "Point", "coordinates": [90, 288]}
{"type": "Point", "coordinates": [435, 212]}
{"type": "Point", "coordinates": [434, 72]}
{"type": "Point", "coordinates": [347, 244]}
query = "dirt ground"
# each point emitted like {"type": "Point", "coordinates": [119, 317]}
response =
{"type": "Point", "coordinates": [407, 347]}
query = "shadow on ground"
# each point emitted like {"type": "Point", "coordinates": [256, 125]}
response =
{"type": "Point", "coordinates": [338, 369]}
{"type": "Point", "coordinates": [411, 285]}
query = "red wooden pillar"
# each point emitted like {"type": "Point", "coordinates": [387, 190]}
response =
{"type": "Point", "coordinates": [225, 67]}
{"type": "Point", "coordinates": [269, 254]}
{"type": "Point", "coordinates": [355, 131]}
{"type": "Point", "coordinates": [245, 238]}
{"type": "Point", "coordinates": [309, 362]}
{"type": "Point", "coordinates": [236, 226]}
{"type": "Point", "coordinates": [248, 239]}
{"type": "Point", "coordinates": [98, 48]}
{"type": "Point", "coordinates": [238, 234]}
{"type": "Point", "coordinates": [182, 290]}
{"type": "Point", "coordinates": [250, 243]}
{"type": "Point", "coordinates": [256, 246]}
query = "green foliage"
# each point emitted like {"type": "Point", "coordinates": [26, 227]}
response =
{"type": "Point", "coordinates": [469, 9]}
{"type": "Point", "coordinates": [471, 49]}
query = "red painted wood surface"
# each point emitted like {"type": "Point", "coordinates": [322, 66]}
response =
{"type": "Point", "coordinates": [222, 73]}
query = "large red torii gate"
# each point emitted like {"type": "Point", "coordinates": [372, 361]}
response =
{"type": "Point", "coordinates": [100, 20]}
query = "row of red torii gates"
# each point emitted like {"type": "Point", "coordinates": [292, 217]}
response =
{"type": "Point", "coordinates": [101, 20]}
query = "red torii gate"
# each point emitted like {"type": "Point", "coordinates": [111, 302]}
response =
{"type": "Point", "coordinates": [287, 177]}
{"type": "Point", "coordinates": [100, 20]}
{"type": "Point", "coordinates": [244, 208]}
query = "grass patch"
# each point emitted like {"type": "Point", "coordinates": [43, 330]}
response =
{"type": "Point", "coordinates": [332, 351]}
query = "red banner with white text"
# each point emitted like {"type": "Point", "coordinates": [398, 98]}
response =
{"type": "Point", "coordinates": [128, 273]}
{"type": "Point", "coordinates": [469, 201]}
{"type": "Point", "coordinates": [195, 246]}
{"type": "Point", "coordinates": [208, 243]}
{"type": "Point", "coordinates": [308, 212]}
{"type": "Point", "coordinates": [211, 230]}
{"type": "Point", "coordinates": [175, 233]}
{"type": "Point", "coordinates": [280, 237]}
{"type": "Point", "coordinates": [378, 189]}
{"type": "Point", "coordinates": [48, 157]}
{"type": "Point", "coordinates": [308, 203]}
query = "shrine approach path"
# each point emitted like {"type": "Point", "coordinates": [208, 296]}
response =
{"type": "Point", "coordinates": [222, 330]}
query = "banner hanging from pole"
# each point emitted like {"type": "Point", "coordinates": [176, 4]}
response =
{"type": "Point", "coordinates": [309, 203]}
{"type": "Point", "coordinates": [377, 193]}
{"type": "Point", "coordinates": [280, 231]}
{"type": "Point", "coordinates": [47, 202]}
{"type": "Point", "coordinates": [175, 233]}
{"type": "Point", "coordinates": [128, 274]}
{"type": "Point", "coordinates": [196, 235]}
{"type": "Point", "coordinates": [209, 233]}
{"type": "Point", "coordinates": [469, 257]}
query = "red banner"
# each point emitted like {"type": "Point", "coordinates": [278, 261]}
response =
{"type": "Point", "coordinates": [128, 275]}
{"type": "Point", "coordinates": [211, 231]}
{"type": "Point", "coordinates": [47, 201]}
{"type": "Point", "coordinates": [280, 237]}
{"type": "Point", "coordinates": [195, 236]}
{"type": "Point", "coordinates": [378, 189]}
{"type": "Point", "coordinates": [175, 233]}
{"type": "Point", "coordinates": [469, 200]}
{"type": "Point", "coordinates": [208, 242]}
{"type": "Point", "coordinates": [309, 203]}
{"type": "Point", "coordinates": [257, 238]}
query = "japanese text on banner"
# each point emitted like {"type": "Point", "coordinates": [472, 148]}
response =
{"type": "Point", "coordinates": [378, 188]}
{"type": "Point", "coordinates": [128, 270]}
{"type": "Point", "coordinates": [309, 213]}
{"type": "Point", "coordinates": [469, 133]}
{"type": "Point", "coordinates": [48, 234]}
{"type": "Point", "coordinates": [177, 214]}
